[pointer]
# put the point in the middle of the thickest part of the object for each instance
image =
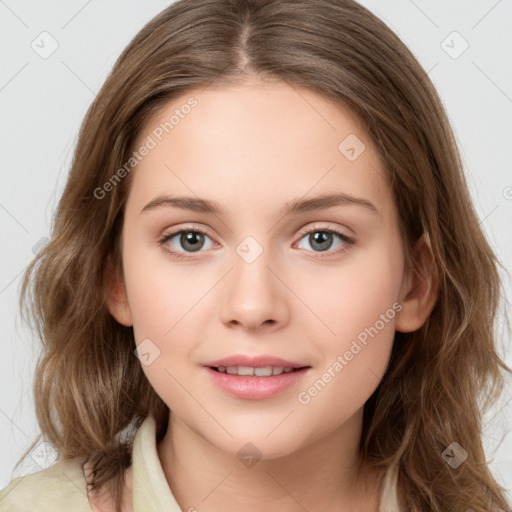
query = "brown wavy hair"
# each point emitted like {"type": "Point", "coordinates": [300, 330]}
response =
{"type": "Point", "coordinates": [90, 391]}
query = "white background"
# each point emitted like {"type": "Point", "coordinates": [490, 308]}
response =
{"type": "Point", "coordinates": [43, 102]}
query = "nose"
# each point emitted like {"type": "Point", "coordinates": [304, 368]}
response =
{"type": "Point", "coordinates": [254, 297]}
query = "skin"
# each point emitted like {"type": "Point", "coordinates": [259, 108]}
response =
{"type": "Point", "coordinates": [252, 148]}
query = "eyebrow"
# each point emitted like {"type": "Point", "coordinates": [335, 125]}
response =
{"type": "Point", "coordinates": [300, 205]}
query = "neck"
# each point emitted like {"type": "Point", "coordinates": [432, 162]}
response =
{"type": "Point", "coordinates": [325, 474]}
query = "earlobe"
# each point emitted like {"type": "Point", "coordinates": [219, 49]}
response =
{"type": "Point", "coordinates": [117, 300]}
{"type": "Point", "coordinates": [419, 290]}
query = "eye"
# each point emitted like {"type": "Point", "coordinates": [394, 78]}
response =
{"type": "Point", "coordinates": [183, 241]}
{"type": "Point", "coordinates": [322, 239]}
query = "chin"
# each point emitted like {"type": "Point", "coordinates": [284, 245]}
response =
{"type": "Point", "coordinates": [258, 447]}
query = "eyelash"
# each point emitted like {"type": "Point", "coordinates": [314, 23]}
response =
{"type": "Point", "coordinates": [314, 229]}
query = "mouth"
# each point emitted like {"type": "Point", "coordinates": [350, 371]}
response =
{"type": "Point", "coordinates": [256, 383]}
{"type": "Point", "coordinates": [248, 371]}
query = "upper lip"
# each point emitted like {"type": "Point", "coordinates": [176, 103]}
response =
{"type": "Point", "coordinates": [253, 362]}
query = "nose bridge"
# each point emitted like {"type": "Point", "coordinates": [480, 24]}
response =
{"type": "Point", "coordinates": [254, 295]}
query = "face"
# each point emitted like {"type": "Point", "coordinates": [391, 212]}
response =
{"type": "Point", "coordinates": [272, 271]}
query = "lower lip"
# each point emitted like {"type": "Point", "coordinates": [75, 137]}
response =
{"type": "Point", "coordinates": [253, 387]}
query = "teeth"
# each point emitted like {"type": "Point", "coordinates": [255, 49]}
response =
{"type": "Point", "coordinates": [266, 371]}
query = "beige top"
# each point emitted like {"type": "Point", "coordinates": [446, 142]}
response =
{"type": "Point", "coordinates": [62, 487]}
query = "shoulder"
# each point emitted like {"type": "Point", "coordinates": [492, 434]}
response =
{"type": "Point", "coordinates": [60, 487]}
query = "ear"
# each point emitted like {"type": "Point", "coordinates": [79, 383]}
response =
{"type": "Point", "coordinates": [117, 300]}
{"type": "Point", "coordinates": [419, 288]}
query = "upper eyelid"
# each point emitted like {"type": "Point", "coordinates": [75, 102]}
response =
{"type": "Point", "coordinates": [316, 227]}
{"type": "Point", "coordinates": [303, 231]}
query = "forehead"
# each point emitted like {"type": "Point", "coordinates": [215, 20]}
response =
{"type": "Point", "coordinates": [263, 142]}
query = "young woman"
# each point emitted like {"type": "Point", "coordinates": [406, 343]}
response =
{"type": "Point", "coordinates": [266, 283]}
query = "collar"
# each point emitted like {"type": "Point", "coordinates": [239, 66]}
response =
{"type": "Point", "coordinates": [151, 492]}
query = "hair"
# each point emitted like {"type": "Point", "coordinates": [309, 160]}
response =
{"type": "Point", "coordinates": [90, 389]}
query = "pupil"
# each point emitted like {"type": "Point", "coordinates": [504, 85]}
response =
{"type": "Point", "coordinates": [322, 238]}
{"type": "Point", "coordinates": [192, 241]}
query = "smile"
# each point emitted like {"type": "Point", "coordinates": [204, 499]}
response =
{"type": "Point", "coordinates": [266, 371]}
{"type": "Point", "coordinates": [255, 383]}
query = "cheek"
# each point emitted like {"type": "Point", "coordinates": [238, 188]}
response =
{"type": "Point", "coordinates": [160, 320]}
{"type": "Point", "coordinates": [158, 300]}
{"type": "Point", "coordinates": [371, 290]}
{"type": "Point", "coordinates": [345, 299]}
{"type": "Point", "coordinates": [161, 292]}
{"type": "Point", "coordinates": [357, 305]}
{"type": "Point", "coordinates": [166, 306]}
